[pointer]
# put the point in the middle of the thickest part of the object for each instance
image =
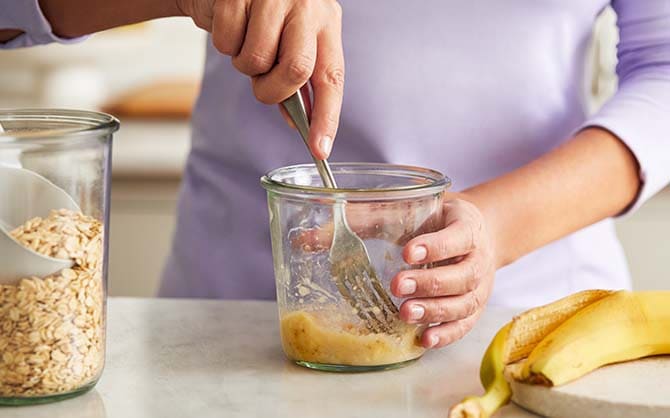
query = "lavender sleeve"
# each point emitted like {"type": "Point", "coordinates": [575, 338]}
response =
{"type": "Point", "coordinates": [639, 113]}
{"type": "Point", "coordinates": [26, 15]}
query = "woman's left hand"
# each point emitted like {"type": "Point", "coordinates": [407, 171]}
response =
{"type": "Point", "coordinates": [451, 296]}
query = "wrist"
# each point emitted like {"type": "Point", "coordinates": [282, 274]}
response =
{"type": "Point", "coordinates": [164, 8]}
{"type": "Point", "coordinates": [178, 8]}
{"type": "Point", "coordinates": [74, 18]}
{"type": "Point", "coordinates": [493, 226]}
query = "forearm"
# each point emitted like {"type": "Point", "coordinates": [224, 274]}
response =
{"type": "Point", "coordinates": [587, 179]}
{"type": "Point", "coordinates": [73, 18]}
{"type": "Point", "coordinates": [7, 34]}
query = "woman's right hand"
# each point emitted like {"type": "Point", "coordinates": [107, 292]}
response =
{"type": "Point", "coordinates": [281, 45]}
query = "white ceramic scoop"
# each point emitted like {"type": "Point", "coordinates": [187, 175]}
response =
{"type": "Point", "coordinates": [24, 195]}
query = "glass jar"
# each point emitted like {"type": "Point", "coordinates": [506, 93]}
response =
{"type": "Point", "coordinates": [54, 207]}
{"type": "Point", "coordinates": [386, 206]}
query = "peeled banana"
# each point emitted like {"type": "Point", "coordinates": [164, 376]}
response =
{"type": "Point", "coordinates": [557, 343]}
{"type": "Point", "coordinates": [620, 327]}
{"type": "Point", "coordinates": [514, 342]}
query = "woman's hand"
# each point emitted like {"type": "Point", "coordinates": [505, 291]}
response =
{"type": "Point", "coordinates": [452, 295]}
{"type": "Point", "coordinates": [281, 45]}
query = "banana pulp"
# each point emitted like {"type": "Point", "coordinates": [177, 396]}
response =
{"type": "Point", "coordinates": [325, 338]}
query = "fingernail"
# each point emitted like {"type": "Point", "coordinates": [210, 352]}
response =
{"type": "Point", "coordinates": [326, 144]}
{"type": "Point", "coordinates": [433, 340]}
{"type": "Point", "coordinates": [407, 287]}
{"type": "Point", "coordinates": [416, 312]}
{"type": "Point", "coordinates": [419, 253]}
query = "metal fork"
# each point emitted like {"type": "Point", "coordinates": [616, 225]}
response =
{"type": "Point", "coordinates": [350, 265]}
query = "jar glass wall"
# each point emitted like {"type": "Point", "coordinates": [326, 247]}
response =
{"type": "Point", "coordinates": [54, 211]}
{"type": "Point", "coordinates": [386, 206]}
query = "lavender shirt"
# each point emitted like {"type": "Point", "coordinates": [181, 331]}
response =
{"type": "Point", "coordinates": [473, 89]}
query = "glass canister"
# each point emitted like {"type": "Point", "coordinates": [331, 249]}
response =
{"type": "Point", "coordinates": [54, 211]}
{"type": "Point", "coordinates": [321, 323]}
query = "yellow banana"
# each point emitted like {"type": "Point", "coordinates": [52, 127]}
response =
{"type": "Point", "coordinates": [620, 327]}
{"type": "Point", "coordinates": [513, 342]}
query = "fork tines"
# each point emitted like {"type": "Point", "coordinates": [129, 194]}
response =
{"type": "Point", "coordinates": [366, 295]}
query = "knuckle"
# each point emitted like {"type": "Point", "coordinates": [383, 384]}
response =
{"type": "Point", "coordinates": [434, 285]}
{"type": "Point", "coordinates": [437, 247]}
{"type": "Point", "coordinates": [474, 229]}
{"type": "Point", "coordinates": [219, 10]}
{"type": "Point", "coordinates": [441, 247]}
{"type": "Point", "coordinates": [461, 329]}
{"type": "Point", "coordinates": [474, 276]}
{"type": "Point", "coordinates": [299, 69]}
{"type": "Point", "coordinates": [256, 63]}
{"type": "Point", "coordinates": [479, 302]}
{"type": "Point", "coordinates": [473, 304]}
{"type": "Point", "coordinates": [302, 4]}
{"type": "Point", "coordinates": [332, 77]}
{"type": "Point", "coordinates": [443, 312]}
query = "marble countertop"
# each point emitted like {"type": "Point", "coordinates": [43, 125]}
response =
{"type": "Point", "coordinates": [188, 358]}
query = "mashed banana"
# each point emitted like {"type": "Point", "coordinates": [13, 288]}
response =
{"type": "Point", "coordinates": [318, 337]}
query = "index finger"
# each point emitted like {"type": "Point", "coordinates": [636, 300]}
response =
{"type": "Point", "coordinates": [328, 87]}
{"type": "Point", "coordinates": [459, 238]}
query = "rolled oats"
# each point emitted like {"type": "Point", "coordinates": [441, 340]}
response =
{"type": "Point", "coordinates": [52, 328]}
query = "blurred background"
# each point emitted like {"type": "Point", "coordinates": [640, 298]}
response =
{"type": "Point", "coordinates": [148, 76]}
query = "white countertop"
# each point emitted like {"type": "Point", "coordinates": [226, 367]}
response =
{"type": "Point", "coordinates": [187, 358]}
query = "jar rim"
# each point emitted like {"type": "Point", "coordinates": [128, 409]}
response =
{"type": "Point", "coordinates": [83, 123]}
{"type": "Point", "coordinates": [435, 181]}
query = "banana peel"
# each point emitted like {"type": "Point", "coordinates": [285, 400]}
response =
{"type": "Point", "coordinates": [533, 326]}
{"type": "Point", "coordinates": [513, 343]}
{"type": "Point", "coordinates": [498, 391]}
{"type": "Point", "coordinates": [621, 327]}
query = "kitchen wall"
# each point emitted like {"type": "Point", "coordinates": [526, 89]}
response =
{"type": "Point", "coordinates": [149, 154]}
{"type": "Point", "coordinates": [89, 73]}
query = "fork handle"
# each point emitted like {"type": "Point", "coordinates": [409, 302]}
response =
{"type": "Point", "coordinates": [295, 107]}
